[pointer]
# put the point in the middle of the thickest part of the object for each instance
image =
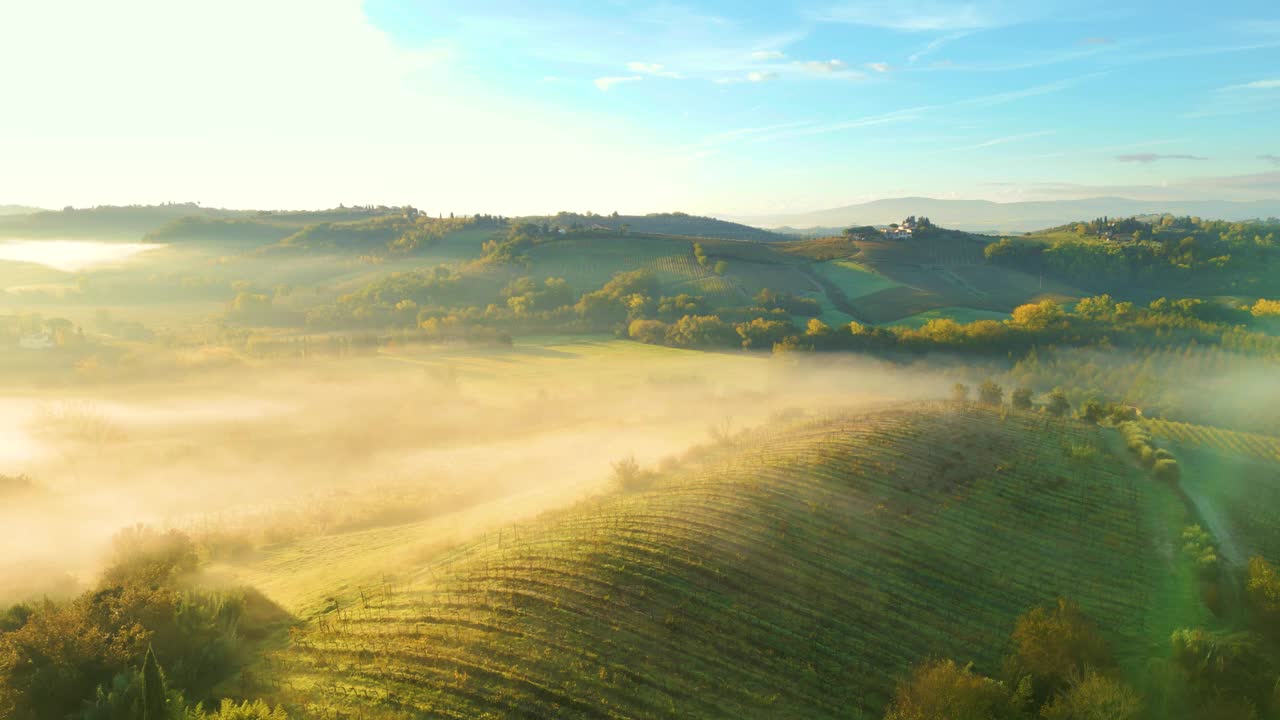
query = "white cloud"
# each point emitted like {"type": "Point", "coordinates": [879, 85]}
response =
{"type": "Point", "coordinates": [766, 55]}
{"type": "Point", "coordinates": [605, 83]}
{"type": "Point", "coordinates": [1256, 85]}
{"type": "Point", "coordinates": [880, 67]}
{"type": "Point", "coordinates": [758, 76]}
{"type": "Point", "coordinates": [822, 66]}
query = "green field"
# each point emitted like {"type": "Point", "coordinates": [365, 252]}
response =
{"type": "Point", "coordinates": [797, 575]}
{"type": "Point", "coordinates": [854, 279]}
{"type": "Point", "coordinates": [959, 314]}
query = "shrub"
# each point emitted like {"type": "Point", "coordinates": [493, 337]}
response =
{"type": "Point", "coordinates": [629, 476]}
{"type": "Point", "coordinates": [1093, 698]}
{"type": "Point", "coordinates": [1167, 470]}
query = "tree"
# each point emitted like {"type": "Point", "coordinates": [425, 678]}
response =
{"type": "Point", "coordinates": [1021, 399]}
{"type": "Point", "coordinates": [990, 393]}
{"type": "Point", "coordinates": [155, 696]}
{"type": "Point", "coordinates": [1095, 697]}
{"type": "Point", "coordinates": [1263, 588]}
{"type": "Point", "coordinates": [1058, 403]}
{"type": "Point", "coordinates": [1038, 316]}
{"type": "Point", "coordinates": [944, 690]}
{"type": "Point", "coordinates": [628, 475]}
{"type": "Point", "coordinates": [960, 393]}
{"type": "Point", "coordinates": [1056, 645]}
{"type": "Point", "coordinates": [1093, 411]}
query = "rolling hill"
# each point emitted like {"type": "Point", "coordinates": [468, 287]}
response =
{"type": "Point", "coordinates": [797, 574]}
{"type": "Point", "coordinates": [992, 217]}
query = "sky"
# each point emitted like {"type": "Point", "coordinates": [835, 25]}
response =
{"type": "Point", "coordinates": [522, 107]}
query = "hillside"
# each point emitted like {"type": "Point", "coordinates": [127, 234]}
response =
{"type": "Point", "coordinates": [797, 575]}
{"type": "Point", "coordinates": [674, 223]}
{"type": "Point", "coordinates": [993, 217]}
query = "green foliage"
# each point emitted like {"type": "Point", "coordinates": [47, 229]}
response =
{"type": "Point", "coordinates": [1058, 404]}
{"type": "Point", "coordinates": [1167, 470]}
{"type": "Point", "coordinates": [960, 392]}
{"type": "Point", "coordinates": [1262, 587]}
{"type": "Point", "coordinates": [79, 650]}
{"type": "Point", "coordinates": [155, 694]}
{"type": "Point", "coordinates": [248, 710]}
{"type": "Point", "coordinates": [1021, 399]}
{"type": "Point", "coordinates": [989, 393]}
{"type": "Point", "coordinates": [1216, 665]}
{"type": "Point", "coordinates": [1095, 697]}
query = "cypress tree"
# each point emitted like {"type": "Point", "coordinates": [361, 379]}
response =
{"type": "Point", "coordinates": [154, 694]}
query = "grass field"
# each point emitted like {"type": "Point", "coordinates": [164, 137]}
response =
{"type": "Point", "coordinates": [959, 314]}
{"type": "Point", "coordinates": [854, 280]}
{"type": "Point", "coordinates": [796, 575]}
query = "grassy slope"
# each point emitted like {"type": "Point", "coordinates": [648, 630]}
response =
{"type": "Point", "coordinates": [923, 275]}
{"type": "Point", "coordinates": [797, 577]}
{"type": "Point", "coordinates": [1234, 478]}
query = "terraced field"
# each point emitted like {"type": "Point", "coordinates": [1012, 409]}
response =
{"type": "Point", "coordinates": [795, 575]}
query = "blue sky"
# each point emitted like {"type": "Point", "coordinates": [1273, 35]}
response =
{"type": "Point", "coordinates": [704, 106]}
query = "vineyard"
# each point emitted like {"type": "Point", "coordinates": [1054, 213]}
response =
{"type": "Point", "coordinates": [793, 573]}
{"type": "Point", "coordinates": [1238, 479]}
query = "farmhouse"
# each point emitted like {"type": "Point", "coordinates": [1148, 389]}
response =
{"type": "Point", "coordinates": [907, 228]}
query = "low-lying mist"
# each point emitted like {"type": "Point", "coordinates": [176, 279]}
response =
{"type": "Point", "coordinates": [253, 457]}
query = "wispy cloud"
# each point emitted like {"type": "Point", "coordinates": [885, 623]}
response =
{"type": "Point", "coordinates": [1256, 85]}
{"type": "Point", "coordinates": [1273, 159]}
{"type": "Point", "coordinates": [607, 83]}
{"type": "Point", "coordinates": [767, 55]}
{"type": "Point", "coordinates": [932, 46]}
{"type": "Point", "coordinates": [822, 66]}
{"type": "Point", "coordinates": [1007, 139]}
{"type": "Point", "coordinates": [925, 15]}
{"type": "Point", "coordinates": [1097, 41]}
{"type": "Point", "coordinates": [880, 67]}
{"type": "Point", "coordinates": [1146, 158]}
{"type": "Point", "coordinates": [761, 76]}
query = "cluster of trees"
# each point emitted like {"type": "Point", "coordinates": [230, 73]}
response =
{"type": "Point", "coordinates": [399, 234]}
{"type": "Point", "coordinates": [719, 267]}
{"type": "Point", "coordinates": [1095, 322]}
{"type": "Point", "coordinates": [1160, 461]}
{"type": "Point", "coordinates": [1060, 667]}
{"type": "Point", "coordinates": [144, 642]}
{"type": "Point", "coordinates": [1171, 251]}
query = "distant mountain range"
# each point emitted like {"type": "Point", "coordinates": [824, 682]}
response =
{"type": "Point", "coordinates": [992, 217]}
{"type": "Point", "coordinates": [17, 210]}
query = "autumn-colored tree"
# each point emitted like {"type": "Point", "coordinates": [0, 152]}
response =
{"type": "Point", "coordinates": [945, 690]}
{"type": "Point", "coordinates": [1056, 645]}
